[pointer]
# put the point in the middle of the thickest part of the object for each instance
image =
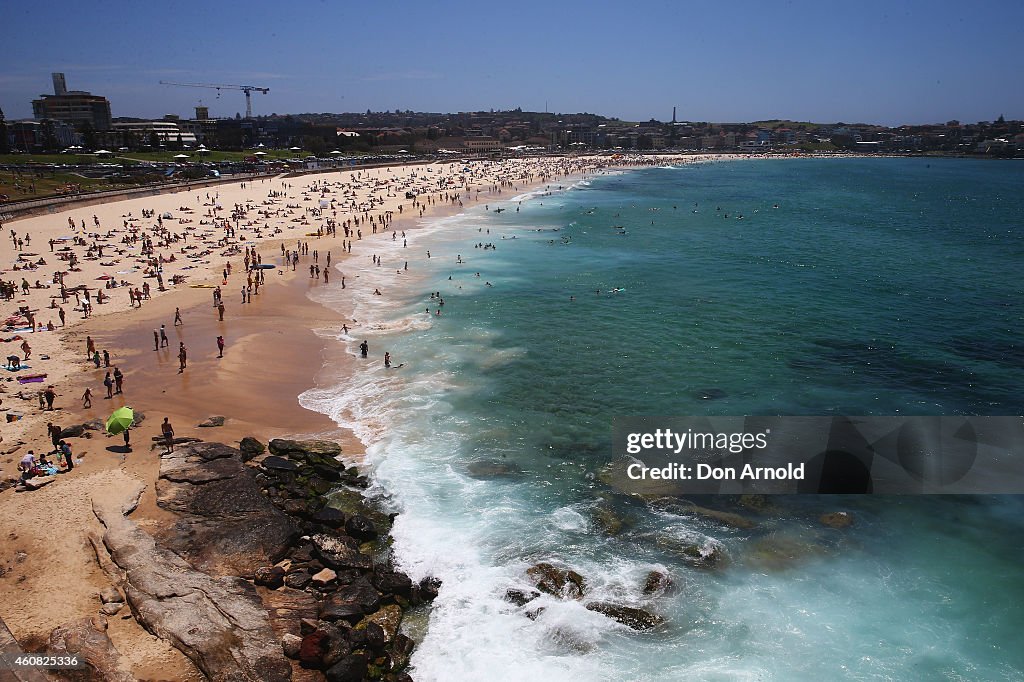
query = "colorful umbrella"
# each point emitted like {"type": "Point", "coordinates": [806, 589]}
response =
{"type": "Point", "coordinates": [120, 420]}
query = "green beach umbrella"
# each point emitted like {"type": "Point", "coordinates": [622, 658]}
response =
{"type": "Point", "coordinates": [120, 420]}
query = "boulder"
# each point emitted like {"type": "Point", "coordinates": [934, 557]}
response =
{"type": "Point", "coordinates": [312, 649]}
{"type": "Point", "coordinates": [276, 463]}
{"type": "Point", "coordinates": [219, 623]}
{"type": "Point", "coordinates": [351, 602]}
{"type": "Point", "coordinates": [320, 450]}
{"type": "Point", "coordinates": [560, 582]}
{"type": "Point", "coordinates": [87, 638]}
{"type": "Point", "coordinates": [401, 651]}
{"type": "Point", "coordinates": [636, 618]}
{"type": "Point", "coordinates": [340, 552]}
{"type": "Point", "coordinates": [360, 527]}
{"type": "Point", "coordinates": [608, 520]}
{"type": "Point", "coordinates": [74, 431]}
{"type": "Point", "coordinates": [299, 580]}
{"type": "Point", "coordinates": [699, 553]}
{"type": "Point", "coordinates": [111, 594]}
{"type": "Point", "coordinates": [250, 448]}
{"type": "Point", "coordinates": [352, 668]}
{"type": "Point", "coordinates": [271, 577]}
{"type": "Point", "coordinates": [329, 516]}
{"type": "Point", "coordinates": [656, 583]}
{"type": "Point", "coordinates": [388, 618]}
{"type": "Point", "coordinates": [212, 421]}
{"type": "Point", "coordinates": [112, 609]}
{"type": "Point", "coordinates": [392, 582]}
{"type": "Point", "coordinates": [837, 520]}
{"type": "Point", "coordinates": [520, 597]}
{"type": "Point", "coordinates": [429, 588]}
{"type": "Point", "coordinates": [291, 644]}
{"type": "Point", "coordinates": [323, 577]}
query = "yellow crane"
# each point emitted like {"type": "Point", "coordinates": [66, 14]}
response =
{"type": "Point", "coordinates": [247, 89]}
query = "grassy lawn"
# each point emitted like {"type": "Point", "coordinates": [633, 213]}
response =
{"type": "Point", "coordinates": [151, 157]}
{"type": "Point", "coordinates": [18, 186]}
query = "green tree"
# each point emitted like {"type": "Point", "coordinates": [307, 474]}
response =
{"type": "Point", "coordinates": [154, 140]}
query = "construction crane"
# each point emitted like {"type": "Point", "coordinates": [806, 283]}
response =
{"type": "Point", "coordinates": [247, 89]}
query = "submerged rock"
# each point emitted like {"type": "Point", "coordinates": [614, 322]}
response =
{"type": "Point", "coordinates": [838, 520]}
{"type": "Point", "coordinates": [560, 582]}
{"type": "Point", "coordinates": [631, 616]}
{"type": "Point", "coordinates": [520, 597]}
{"type": "Point", "coordinates": [708, 554]}
{"type": "Point", "coordinates": [657, 583]}
{"type": "Point", "coordinates": [491, 469]}
{"type": "Point", "coordinates": [212, 421]}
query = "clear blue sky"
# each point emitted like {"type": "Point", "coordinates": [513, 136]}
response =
{"type": "Point", "coordinates": [872, 62]}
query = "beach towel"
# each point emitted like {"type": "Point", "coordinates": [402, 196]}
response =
{"type": "Point", "coordinates": [32, 379]}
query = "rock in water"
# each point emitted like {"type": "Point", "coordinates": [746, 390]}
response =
{"type": "Point", "coordinates": [839, 519]}
{"type": "Point", "coordinates": [560, 582]}
{"type": "Point", "coordinates": [212, 421]}
{"type": "Point", "coordinates": [389, 618]}
{"type": "Point", "coordinates": [656, 583]}
{"type": "Point", "coordinates": [638, 619]}
{"type": "Point", "coordinates": [219, 623]}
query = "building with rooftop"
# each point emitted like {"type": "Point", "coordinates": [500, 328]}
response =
{"type": "Point", "coordinates": [76, 107]}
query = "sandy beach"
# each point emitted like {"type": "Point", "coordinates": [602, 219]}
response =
{"type": "Point", "coordinates": [271, 352]}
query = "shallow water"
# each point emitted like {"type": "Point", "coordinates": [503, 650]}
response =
{"type": "Point", "coordinates": [878, 286]}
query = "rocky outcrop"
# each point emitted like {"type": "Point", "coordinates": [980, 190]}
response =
{"type": "Point", "coordinates": [87, 638]}
{"type": "Point", "coordinates": [226, 526]}
{"type": "Point", "coordinates": [10, 649]}
{"type": "Point", "coordinates": [219, 623]}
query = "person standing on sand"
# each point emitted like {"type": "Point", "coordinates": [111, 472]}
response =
{"type": "Point", "coordinates": [177, 317]}
{"type": "Point", "coordinates": [90, 346]}
{"type": "Point", "coordinates": [220, 346]}
{"type": "Point", "coordinates": [26, 349]}
{"type": "Point", "coordinates": [87, 399]}
{"type": "Point", "coordinates": [50, 396]}
{"type": "Point", "coordinates": [163, 336]}
{"type": "Point", "coordinates": [167, 431]}
{"type": "Point", "coordinates": [106, 358]}
{"type": "Point", "coordinates": [156, 340]}
{"type": "Point", "coordinates": [182, 356]}
{"type": "Point", "coordinates": [127, 440]}
{"type": "Point", "coordinates": [118, 379]}
{"type": "Point", "coordinates": [109, 383]}
{"type": "Point", "coordinates": [220, 311]}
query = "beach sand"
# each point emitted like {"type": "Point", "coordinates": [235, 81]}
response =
{"type": "Point", "coordinates": [48, 571]}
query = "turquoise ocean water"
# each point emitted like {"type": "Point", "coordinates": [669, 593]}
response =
{"type": "Point", "coordinates": [876, 286]}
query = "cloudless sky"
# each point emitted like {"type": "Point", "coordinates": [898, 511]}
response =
{"type": "Point", "coordinates": [873, 61]}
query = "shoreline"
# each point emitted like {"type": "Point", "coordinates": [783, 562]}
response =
{"type": "Point", "coordinates": [256, 385]}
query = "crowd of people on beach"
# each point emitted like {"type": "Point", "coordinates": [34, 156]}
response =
{"type": "Point", "coordinates": [135, 255]}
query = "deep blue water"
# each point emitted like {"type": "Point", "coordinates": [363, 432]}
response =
{"type": "Point", "coordinates": [876, 286]}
